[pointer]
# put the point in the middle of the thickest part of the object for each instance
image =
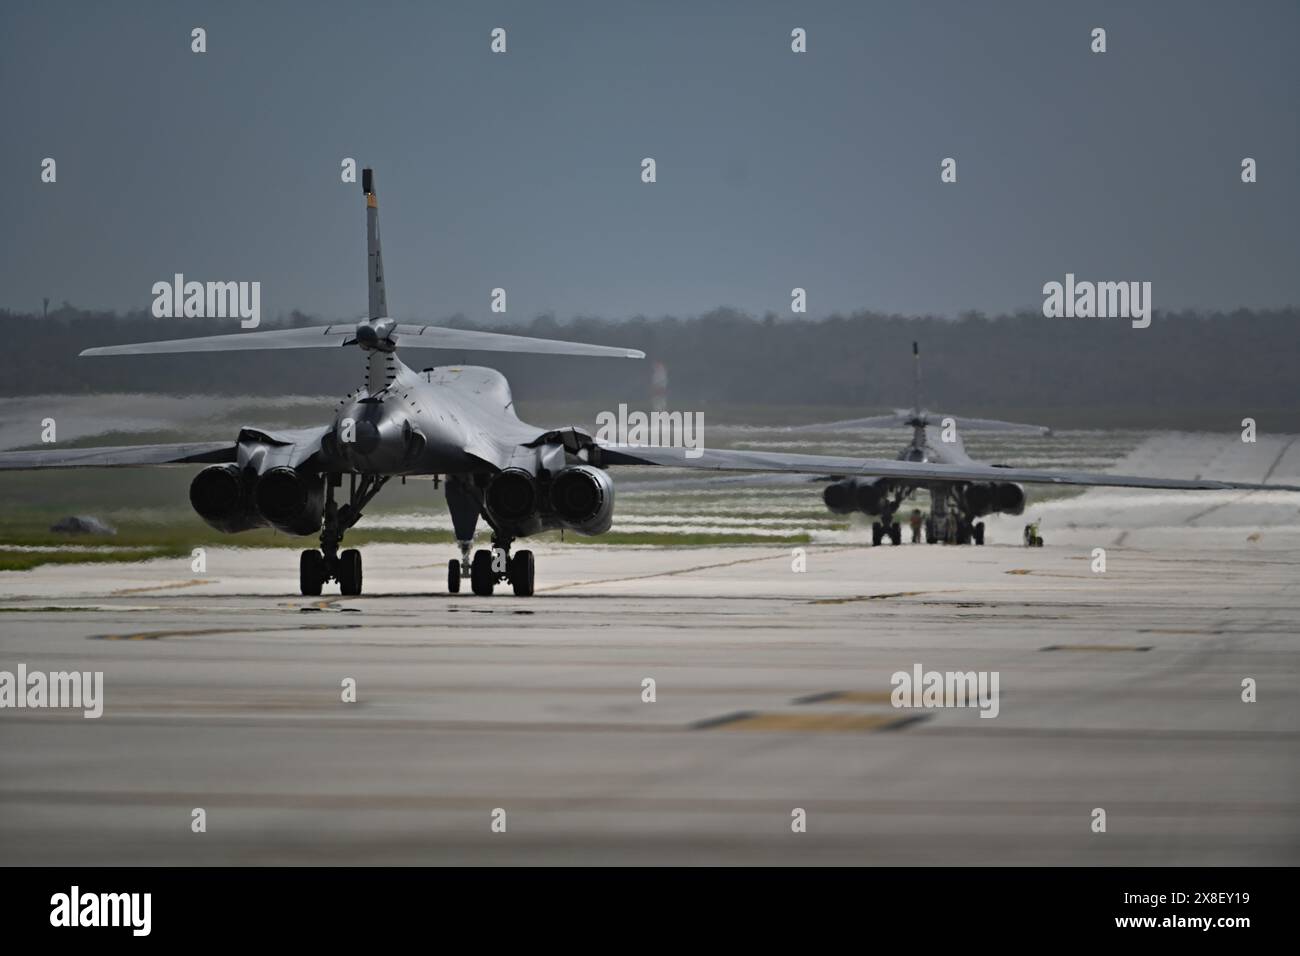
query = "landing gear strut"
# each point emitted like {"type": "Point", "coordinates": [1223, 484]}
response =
{"type": "Point", "coordinates": [317, 567]}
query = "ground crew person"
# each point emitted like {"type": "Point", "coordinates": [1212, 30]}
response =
{"type": "Point", "coordinates": [916, 523]}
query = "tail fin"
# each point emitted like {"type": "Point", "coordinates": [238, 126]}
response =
{"type": "Point", "coordinates": [374, 258]}
{"type": "Point", "coordinates": [916, 378]}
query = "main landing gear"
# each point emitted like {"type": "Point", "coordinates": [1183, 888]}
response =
{"type": "Point", "coordinates": [938, 530]}
{"type": "Point", "coordinates": [886, 527]}
{"type": "Point", "coordinates": [880, 530]}
{"type": "Point", "coordinates": [328, 564]}
{"type": "Point", "coordinates": [490, 567]}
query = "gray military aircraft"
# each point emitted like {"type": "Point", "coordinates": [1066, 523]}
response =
{"type": "Point", "coordinates": [458, 422]}
{"type": "Point", "coordinates": [963, 501]}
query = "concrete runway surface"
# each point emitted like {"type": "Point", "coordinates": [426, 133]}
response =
{"type": "Point", "coordinates": [1119, 691]}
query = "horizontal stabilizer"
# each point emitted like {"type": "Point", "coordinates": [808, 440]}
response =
{"type": "Point", "coordinates": [854, 424]}
{"type": "Point", "coordinates": [318, 337]}
{"type": "Point", "coordinates": [903, 417]}
{"type": "Point", "coordinates": [401, 336]}
{"type": "Point", "coordinates": [990, 425]}
{"type": "Point", "coordinates": [435, 337]}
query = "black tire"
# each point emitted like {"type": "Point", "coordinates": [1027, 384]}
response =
{"type": "Point", "coordinates": [482, 579]}
{"type": "Point", "coordinates": [350, 572]}
{"type": "Point", "coordinates": [311, 573]}
{"type": "Point", "coordinates": [521, 574]}
{"type": "Point", "coordinates": [453, 576]}
{"type": "Point", "coordinates": [877, 533]}
{"type": "Point", "coordinates": [979, 534]}
{"type": "Point", "coordinates": [896, 533]}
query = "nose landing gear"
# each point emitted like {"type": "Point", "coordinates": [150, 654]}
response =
{"type": "Point", "coordinates": [459, 568]}
{"type": "Point", "coordinates": [328, 564]}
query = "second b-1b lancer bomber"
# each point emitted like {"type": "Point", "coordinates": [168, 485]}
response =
{"type": "Point", "coordinates": [459, 422]}
{"type": "Point", "coordinates": [955, 506]}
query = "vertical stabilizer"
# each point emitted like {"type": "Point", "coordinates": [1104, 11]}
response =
{"type": "Point", "coordinates": [374, 259]}
{"type": "Point", "coordinates": [916, 378]}
{"type": "Point", "coordinates": [381, 363]}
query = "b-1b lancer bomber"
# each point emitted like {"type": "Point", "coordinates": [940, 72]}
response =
{"type": "Point", "coordinates": [457, 422]}
{"type": "Point", "coordinates": [955, 506]}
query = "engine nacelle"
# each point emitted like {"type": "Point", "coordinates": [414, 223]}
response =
{"type": "Point", "coordinates": [839, 497]}
{"type": "Point", "coordinates": [582, 497]}
{"type": "Point", "coordinates": [512, 497]}
{"type": "Point", "coordinates": [290, 500]}
{"type": "Point", "coordinates": [219, 495]}
{"type": "Point", "coordinates": [855, 494]}
{"type": "Point", "coordinates": [1003, 497]}
{"type": "Point", "coordinates": [1010, 498]}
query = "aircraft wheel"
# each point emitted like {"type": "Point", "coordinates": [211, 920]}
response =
{"type": "Point", "coordinates": [311, 573]}
{"type": "Point", "coordinates": [453, 576]}
{"type": "Point", "coordinates": [979, 533]}
{"type": "Point", "coordinates": [350, 572]}
{"type": "Point", "coordinates": [521, 574]}
{"type": "Point", "coordinates": [896, 533]}
{"type": "Point", "coordinates": [877, 533]}
{"type": "Point", "coordinates": [482, 579]}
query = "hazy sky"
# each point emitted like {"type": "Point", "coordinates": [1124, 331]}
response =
{"type": "Point", "coordinates": [775, 169]}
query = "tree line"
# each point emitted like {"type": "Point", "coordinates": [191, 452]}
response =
{"type": "Point", "coordinates": [1188, 369]}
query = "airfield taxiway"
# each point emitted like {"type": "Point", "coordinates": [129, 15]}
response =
{"type": "Point", "coordinates": [1119, 690]}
